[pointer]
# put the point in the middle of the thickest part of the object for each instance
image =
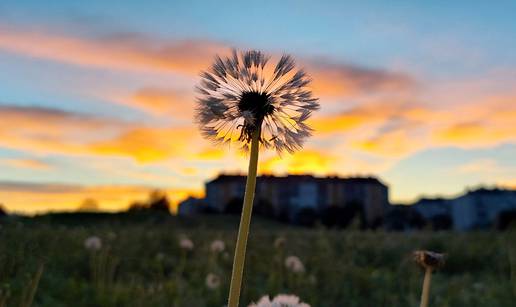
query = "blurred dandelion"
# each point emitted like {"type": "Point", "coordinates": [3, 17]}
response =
{"type": "Point", "coordinates": [243, 100]}
{"type": "Point", "coordinates": [281, 300]}
{"type": "Point", "coordinates": [93, 243]}
{"type": "Point", "coordinates": [186, 244]}
{"type": "Point", "coordinates": [294, 264]}
{"type": "Point", "coordinates": [212, 281]}
{"type": "Point", "coordinates": [217, 246]}
{"type": "Point", "coordinates": [429, 261]}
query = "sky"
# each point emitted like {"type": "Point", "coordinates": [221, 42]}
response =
{"type": "Point", "coordinates": [97, 97]}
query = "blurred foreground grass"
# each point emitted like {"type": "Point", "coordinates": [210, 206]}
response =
{"type": "Point", "coordinates": [141, 264]}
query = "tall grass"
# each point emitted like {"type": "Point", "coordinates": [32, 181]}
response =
{"type": "Point", "coordinates": [144, 265]}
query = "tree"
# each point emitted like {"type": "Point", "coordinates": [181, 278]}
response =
{"type": "Point", "coordinates": [88, 205]}
{"type": "Point", "coordinates": [3, 212]}
{"type": "Point", "coordinates": [158, 201]}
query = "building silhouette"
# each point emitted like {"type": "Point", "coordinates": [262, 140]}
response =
{"type": "Point", "coordinates": [475, 209]}
{"type": "Point", "coordinates": [286, 195]}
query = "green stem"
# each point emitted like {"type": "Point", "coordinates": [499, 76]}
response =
{"type": "Point", "coordinates": [245, 221]}
{"type": "Point", "coordinates": [426, 288]}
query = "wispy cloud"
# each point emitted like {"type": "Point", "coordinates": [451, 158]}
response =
{"type": "Point", "coordinates": [32, 164]}
{"type": "Point", "coordinates": [129, 51]}
{"type": "Point", "coordinates": [45, 130]}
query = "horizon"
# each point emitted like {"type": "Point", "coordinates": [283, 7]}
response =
{"type": "Point", "coordinates": [175, 202]}
{"type": "Point", "coordinates": [96, 98]}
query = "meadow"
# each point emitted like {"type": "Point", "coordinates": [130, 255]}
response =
{"type": "Point", "coordinates": [44, 262]}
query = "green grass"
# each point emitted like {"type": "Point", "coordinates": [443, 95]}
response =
{"type": "Point", "coordinates": [141, 264]}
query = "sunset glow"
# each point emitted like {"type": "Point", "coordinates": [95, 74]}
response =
{"type": "Point", "coordinates": [97, 100]}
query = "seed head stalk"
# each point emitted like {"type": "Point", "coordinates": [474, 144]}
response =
{"type": "Point", "coordinates": [426, 287]}
{"type": "Point", "coordinates": [245, 222]}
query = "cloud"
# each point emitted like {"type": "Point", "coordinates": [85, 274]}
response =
{"type": "Point", "coordinates": [480, 166]}
{"type": "Point", "coordinates": [32, 164]}
{"type": "Point", "coordinates": [161, 102]}
{"type": "Point", "coordinates": [34, 198]}
{"type": "Point", "coordinates": [126, 51]}
{"type": "Point", "coordinates": [134, 51]}
{"type": "Point", "coordinates": [341, 80]}
{"type": "Point", "coordinates": [50, 131]}
{"type": "Point", "coordinates": [306, 161]}
{"type": "Point", "coordinates": [146, 144]}
{"type": "Point", "coordinates": [484, 123]}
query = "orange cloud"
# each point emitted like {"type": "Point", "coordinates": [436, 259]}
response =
{"type": "Point", "coordinates": [395, 143]}
{"type": "Point", "coordinates": [146, 144]}
{"type": "Point", "coordinates": [476, 134]}
{"type": "Point", "coordinates": [338, 80]}
{"type": "Point", "coordinates": [34, 198]}
{"type": "Point", "coordinates": [164, 102]}
{"type": "Point", "coordinates": [52, 131]}
{"type": "Point", "coordinates": [138, 52]}
{"type": "Point", "coordinates": [26, 163]}
{"type": "Point", "coordinates": [128, 52]}
{"type": "Point", "coordinates": [306, 161]}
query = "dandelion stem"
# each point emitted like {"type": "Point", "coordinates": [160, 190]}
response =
{"type": "Point", "coordinates": [245, 221]}
{"type": "Point", "coordinates": [426, 287]}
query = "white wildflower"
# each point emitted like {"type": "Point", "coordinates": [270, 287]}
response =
{"type": "Point", "coordinates": [217, 246]}
{"type": "Point", "coordinates": [212, 281]}
{"type": "Point", "coordinates": [294, 264]}
{"type": "Point", "coordinates": [93, 243]}
{"type": "Point", "coordinates": [281, 300]}
{"type": "Point", "coordinates": [186, 244]}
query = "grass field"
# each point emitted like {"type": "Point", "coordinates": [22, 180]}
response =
{"type": "Point", "coordinates": [141, 263]}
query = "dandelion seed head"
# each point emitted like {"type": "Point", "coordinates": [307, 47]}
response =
{"type": "Point", "coordinates": [428, 259]}
{"type": "Point", "coordinates": [242, 93]}
{"type": "Point", "coordinates": [217, 246]}
{"type": "Point", "coordinates": [281, 300]}
{"type": "Point", "coordinates": [294, 264]}
{"type": "Point", "coordinates": [186, 244]}
{"type": "Point", "coordinates": [93, 243]}
{"type": "Point", "coordinates": [212, 281]}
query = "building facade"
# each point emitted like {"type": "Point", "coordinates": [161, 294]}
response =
{"type": "Point", "coordinates": [480, 208]}
{"type": "Point", "coordinates": [294, 192]}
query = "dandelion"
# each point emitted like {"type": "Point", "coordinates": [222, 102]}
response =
{"type": "Point", "coordinates": [217, 246]}
{"type": "Point", "coordinates": [212, 281]}
{"type": "Point", "coordinates": [186, 244]}
{"type": "Point", "coordinates": [281, 300]}
{"type": "Point", "coordinates": [245, 101]}
{"type": "Point", "coordinates": [93, 243]}
{"type": "Point", "coordinates": [429, 261]}
{"type": "Point", "coordinates": [294, 264]}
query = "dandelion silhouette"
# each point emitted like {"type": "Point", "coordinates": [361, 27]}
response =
{"type": "Point", "coordinates": [245, 101]}
{"type": "Point", "coordinates": [239, 97]}
{"type": "Point", "coordinates": [429, 261]}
